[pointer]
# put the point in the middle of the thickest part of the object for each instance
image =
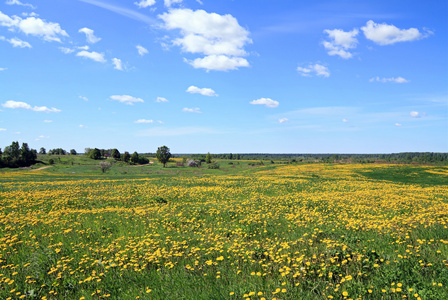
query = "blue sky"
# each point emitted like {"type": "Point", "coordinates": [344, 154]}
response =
{"type": "Point", "coordinates": [225, 76]}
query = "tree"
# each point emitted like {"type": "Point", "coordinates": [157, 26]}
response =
{"type": "Point", "coordinates": [115, 154]}
{"type": "Point", "coordinates": [163, 155]}
{"type": "Point", "coordinates": [105, 165]}
{"type": "Point", "coordinates": [95, 153]}
{"type": "Point", "coordinates": [126, 156]}
{"type": "Point", "coordinates": [208, 158]}
{"type": "Point", "coordinates": [42, 151]}
{"type": "Point", "coordinates": [134, 158]}
{"type": "Point", "coordinates": [73, 152]}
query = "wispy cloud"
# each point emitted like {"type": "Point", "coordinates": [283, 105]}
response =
{"type": "Point", "coordinates": [126, 99]}
{"type": "Point", "coordinates": [316, 69]}
{"type": "Point", "coordinates": [192, 110]}
{"type": "Point", "coordinates": [391, 79]}
{"type": "Point", "coordinates": [23, 105]}
{"type": "Point", "coordinates": [129, 13]}
{"type": "Point", "coordinates": [266, 102]}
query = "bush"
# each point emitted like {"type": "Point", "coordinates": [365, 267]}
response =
{"type": "Point", "coordinates": [51, 161]}
{"type": "Point", "coordinates": [213, 166]}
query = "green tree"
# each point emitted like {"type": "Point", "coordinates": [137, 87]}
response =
{"type": "Point", "coordinates": [134, 158]}
{"type": "Point", "coordinates": [115, 154]}
{"type": "Point", "coordinates": [208, 158]}
{"type": "Point", "coordinates": [95, 153]}
{"type": "Point", "coordinates": [73, 152]}
{"type": "Point", "coordinates": [42, 151]}
{"type": "Point", "coordinates": [126, 156]}
{"type": "Point", "coordinates": [163, 155]}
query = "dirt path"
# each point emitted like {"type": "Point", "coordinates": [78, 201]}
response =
{"type": "Point", "coordinates": [42, 168]}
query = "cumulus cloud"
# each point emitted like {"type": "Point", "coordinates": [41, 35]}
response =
{"type": "Point", "coordinates": [161, 99]}
{"type": "Point", "coordinates": [17, 2]}
{"type": "Point", "coordinates": [17, 104]}
{"type": "Point", "coordinates": [316, 69]}
{"type": "Point", "coordinates": [192, 110]}
{"type": "Point", "coordinates": [15, 42]}
{"type": "Point", "coordinates": [91, 38]}
{"type": "Point", "coordinates": [49, 31]}
{"type": "Point", "coordinates": [141, 50]}
{"type": "Point", "coordinates": [391, 79]}
{"type": "Point", "coordinates": [340, 42]}
{"type": "Point", "coordinates": [219, 37]}
{"type": "Point", "coordinates": [168, 3]}
{"type": "Point", "coordinates": [415, 114]}
{"type": "Point", "coordinates": [126, 99]}
{"type": "Point", "coordinates": [203, 91]}
{"type": "Point", "coordinates": [118, 65]}
{"type": "Point", "coordinates": [66, 50]}
{"type": "Point", "coordinates": [145, 3]}
{"type": "Point", "coordinates": [218, 63]}
{"type": "Point", "coordinates": [385, 34]}
{"type": "Point", "coordinates": [99, 57]}
{"type": "Point", "coordinates": [266, 102]}
{"type": "Point", "coordinates": [144, 121]}
{"type": "Point", "coordinates": [283, 120]}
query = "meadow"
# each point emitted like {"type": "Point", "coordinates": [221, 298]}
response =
{"type": "Point", "coordinates": [274, 231]}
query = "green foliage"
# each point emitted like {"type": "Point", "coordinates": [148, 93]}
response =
{"type": "Point", "coordinates": [73, 152]}
{"type": "Point", "coordinates": [163, 155]}
{"type": "Point", "coordinates": [51, 161]}
{"type": "Point", "coordinates": [115, 154]}
{"type": "Point", "coordinates": [126, 156]}
{"type": "Point", "coordinates": [95, 153]}
{"type": "Point", "coordinates": [213, 166]}
{"type": "Point", "coordinates": [208, 158]}
{"type": "Point", "coordinates": [14, 157]}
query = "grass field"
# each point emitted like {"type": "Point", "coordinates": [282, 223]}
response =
{"type": "Point", "coordinates": [311, 231]}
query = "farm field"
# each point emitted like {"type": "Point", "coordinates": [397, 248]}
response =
{"type": "Point", "coordinates": [305, 231]}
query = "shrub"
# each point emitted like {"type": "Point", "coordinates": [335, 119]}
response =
{"type": "Point", "coordinates": [51, 161]}
{"type": "Point", "coordinates": [213, 166]}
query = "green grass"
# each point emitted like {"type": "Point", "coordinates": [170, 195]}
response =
{"type": "Point", "coordinates": [196, 233]}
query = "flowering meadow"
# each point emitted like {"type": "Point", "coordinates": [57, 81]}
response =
{"type": "Point", "coordinates": [311, 231]}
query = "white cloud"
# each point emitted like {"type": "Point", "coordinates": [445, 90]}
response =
{"type": "Point", "coordinates": [398, 124]}
{"type": "Point", "coordinates": [344, 120]}
{"type": "Point", "coordinates": [126, 99]}
{"type": "Point", "coordinates": [316, 69]}
{"type": "Point", "coordinates": [192, 110]}
{"type": "Point", "coordinates": [161, 99]}
{"type": "Point", "coordinates": [48, 121]}
{"type": "Point", "coordinates": [144, 121]}
{"type": "Point", "coordinates": [218, 63]}
{"type": "Point", "coordinates": [91, 38]}
{"type": "Point", "coordinates": [340, 42]}
{"type": "Point", "coordinates": [3, 69]}
{"type": "Point", "coordinates": [219, 37]}
{"type": "Point", "coordinates": [49, 31]}
{"type": "Point", "coordinates": [99, 57]}
{"type": "Point", "coordinates": [16, 104]}
{"type": "Point", "coordinates": [66, 50]}
{"type": "Point", "coordinates": [83, 98]}
{"type": "Point", "coordinates": [15, 42]}
{"type": "Point", "coordinates": [17, 2]}
{"type": "Point", "coordinates": [415, 114]}
{"type": "Point", "coordinates": [141, 50]}
{"type": "Point", "coordinates": [203, 91]}
{"type": "Point", "coordinates": [117, 64]}
{"type": "Point", "coordinates": [145, 3]}
{"type": "Point", "coordinates": [2, 129]}
{"type": "Point", "coordinates": [391, 79]}
{"type": "Point", "coordinates": [384, 34]}
{"type": "Point", "coordinates": [168, 3]}
{"type": "Point", "coordinates": [84, 47]}
{"type": "Point", "coordinates": [283, 120]}
{"type": "Point", "coordinates": [82, 126]}
{"type": "Point", "coordinates": [265, 101]}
